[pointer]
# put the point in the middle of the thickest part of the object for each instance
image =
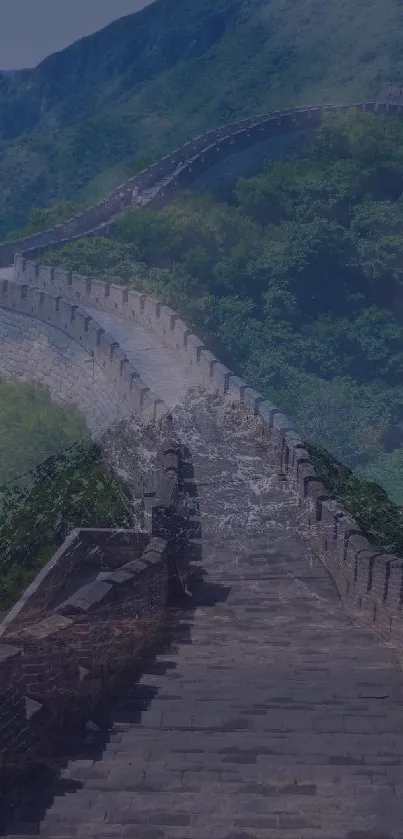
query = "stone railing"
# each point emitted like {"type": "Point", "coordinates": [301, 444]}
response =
{"type": "Point", "coordinates": [370, 583]}
{"type": "Point", "coordinates": [158, 183]}
{"type": "Point", "coordinates": [99, 603]}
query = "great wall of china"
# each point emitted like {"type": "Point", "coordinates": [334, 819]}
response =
{"type": "Point", "coordinates": [277, 708]}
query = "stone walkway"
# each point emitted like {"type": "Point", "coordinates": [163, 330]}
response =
{"type": "Point", "coordinates": [270, 715]}
{"type": "Point", "coordinates": [157, 365]}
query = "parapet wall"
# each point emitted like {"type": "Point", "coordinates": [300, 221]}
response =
{"type": "Point", "coordinates": [96, 606]}
{"type": "Point", "coordinates": [31, 350]}
{"type": "Point", "coordinates": [157, 184]}
{"type": "Point", "coordinates": [125, 384]}
{"type": "Point", "coordinates": [370, 583]}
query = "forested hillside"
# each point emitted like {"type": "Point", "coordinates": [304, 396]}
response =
{"type": "Point", "coordinates": [75, 126]}
{"type": "Point", "coordinates": [297, 280]}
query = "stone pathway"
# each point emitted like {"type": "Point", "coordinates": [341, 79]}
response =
{"type": "Point", "coordinates": [157, 365]}
{"type": "Point", "coordinates": [270, 715]}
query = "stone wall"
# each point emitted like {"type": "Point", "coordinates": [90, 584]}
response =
{"type": "Point", "coordinates": [371, 584]}
{"type": "Point", "coordinates": [98, 603]}
{"type": "Point", "coordinates": [117, 385]}
{"type": "Point", "coordinates": [34, 351]}
{"type": "Point", "coordinates": [157, 184]}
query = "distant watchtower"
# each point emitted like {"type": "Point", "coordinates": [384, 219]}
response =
{"type": "Point", "coordinates": [391, 93]}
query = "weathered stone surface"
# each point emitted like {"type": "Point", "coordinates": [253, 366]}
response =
{"type": "Point", "coordinates": [32, 707]}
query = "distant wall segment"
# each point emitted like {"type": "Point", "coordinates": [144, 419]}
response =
{"type": "Point", "coordinates": [157, 184]}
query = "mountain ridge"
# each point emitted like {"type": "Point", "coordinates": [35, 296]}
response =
{"type": "Point", "coordinates": [74, 83]}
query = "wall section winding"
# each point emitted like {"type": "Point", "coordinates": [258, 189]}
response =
{"type": "Point", "coordinates": [157, 184]}
{"type": "Point", "coordinates": [369, 583]}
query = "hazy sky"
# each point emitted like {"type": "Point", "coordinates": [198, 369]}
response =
{"type": "Point", "coordinates": [32, 29]}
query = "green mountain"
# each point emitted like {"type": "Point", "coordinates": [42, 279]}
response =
{"type": "Point", "coordinates": [73, 127]}
{"type": "Point", "coordinates": [107, 68]}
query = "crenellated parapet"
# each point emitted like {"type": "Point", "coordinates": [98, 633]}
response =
{"type": "Point", "coordinates": [105, 351]}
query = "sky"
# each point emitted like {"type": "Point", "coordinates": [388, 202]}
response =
{"type": "Point", "coordinates": [30, 30]}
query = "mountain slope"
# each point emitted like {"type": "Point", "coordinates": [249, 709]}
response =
{"type": "Point", "coordinates": [198, 64]}
{"type": "Point", "coordinates": [104, 68]}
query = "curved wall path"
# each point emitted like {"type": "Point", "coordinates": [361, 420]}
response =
{"type": "Point", "coordinates": [115, 345]}
{"type": "Point", "coordinates": [273, 713]}
{"type": "Point", "coordinates": [157, 184]}
{"type": "Point", "coordinates": [157, 365]}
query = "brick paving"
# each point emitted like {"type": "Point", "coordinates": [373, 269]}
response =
{"type": "Point", "coordinates": [269, 716]}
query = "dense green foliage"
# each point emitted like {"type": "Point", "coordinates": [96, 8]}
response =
{"type": "Point", "coordinates": [297, 279]}
{"type": "Point", "coordinates": [147, 83]}
{"type": "Point", "coordinates": [32, 427]}
{"type": "Point", "coordinates": [70, 489]}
